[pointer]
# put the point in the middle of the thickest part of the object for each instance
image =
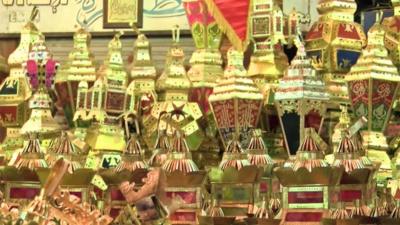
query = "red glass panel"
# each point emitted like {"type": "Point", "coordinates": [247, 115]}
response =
{"type": "Point", "coordinates": [313, 120]}
{"type": "Point", "coordinates": [114, 212]}
{"type": "Point", "coordinates": [24, 193]}
{"type": "Point", "coordinates": [183, 216]}
{"type": "Point", "coordinates": [350, 195]}
{"type": "Point", "coordinates": [116, 195]}
{"type": "Point", "coordinates": [306, 197]}
{"type": "Point", "coordinates": [188, 197]}
{"type": "Point", "coordinates": [303, 217]}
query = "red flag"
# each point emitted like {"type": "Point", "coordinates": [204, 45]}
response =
{"type": "Point", "coordinates": [232, 17]}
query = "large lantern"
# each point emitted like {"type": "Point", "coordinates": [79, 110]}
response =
{"type": "Point", "coordinates": [236, 101]}
{"type": "Point", "coordinates": [301, 100]}
{"type": "Point", "coordinates": [373, 84]}
{"type": "Point", "coordinates": [15, 90]}
{"type": "Point", "coordinates": [335, 42]}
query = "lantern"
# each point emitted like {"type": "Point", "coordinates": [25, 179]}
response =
{"type": "Point", "coordinates": [141, 91]}
{"type": "Point", "coordinates": [335, 43]}
{"type": "Point", "coordinates": [373, 84]}
{"type": "Point", "coordinates": [392, 39]}
{"type": "Point", "coordinates": [268, 61]}
{"type": "Point", "coordinates": [41, 70]}
{"type": "Point", "coordinates": [15, 90]}
{"type": "Point", "coordinates": [79, 67]}
{"type": "Point", "coordinates": [300, 100]}
{"type": "Point", "coordinates": [173, 87]}
{"type": "Point", "coordinates": [236, 101]}
{"type": "Point", "coordinates": [102, 106]}
{"type": "Point", "coordinates": [206, 61]}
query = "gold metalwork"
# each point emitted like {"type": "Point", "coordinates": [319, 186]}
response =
{"type": "Point", "coordinates": [374, 74]}
{"type": "Point", "coordinates": [173, 88]}
{"type": "Point", "coordinates": [334, 42]}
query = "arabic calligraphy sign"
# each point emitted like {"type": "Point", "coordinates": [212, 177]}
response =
{"type": "Point", "coordinates": [65, 16]}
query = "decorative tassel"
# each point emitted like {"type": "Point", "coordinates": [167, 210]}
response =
{"type": "Point", "coordinates": [179, 156]}
{"type": "Point", "coordinates": [257, 151]}
{"type": "Point", "coordinates": [132, 157]}
{"type": "Point", "coordinates": [275, 203]}
{"type": "Point", "coordinates": [396, 211]}
{"type": "Point", "coordinates": [31, 156]}
{"type": "Point", "coordinates": [262, 212]}
{"type": "Point", "coordinates": [161, 149]}
{"type": "Point", "coordinates": [340, 213]}
{"type": "Point", "coordinates": [309, 154]}
{"type": "Point", "coordinates": [359, 210]}
{"type": "Point", "coordinates": [378, 210]}
{"type": "Point", "coordinates": [62, 147]}
{"type": "Point", "coordinates": [215, 209]}
{"type": "Point", "coordinates": [233, 156]}
{"type": "Point", "coordinates": [348, 154]}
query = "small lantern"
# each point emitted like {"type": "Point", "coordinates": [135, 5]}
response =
{"type": "Point", "coordinates": [173, 87]}
{"type": "Point", "coordinates": [79, 67]}
{"type": "Point", "coordinates": [373, 84]}
{"type": "Point", "coordinates": [102, 105]}
{"type": "Point", "coordinates": [300, 100]}
{"type": "Point", "coordinates": [236, 101]}
{"type": "Point", "coordinates": [15, 89]}
{"type": "Point", "coordinates": [206, 61]}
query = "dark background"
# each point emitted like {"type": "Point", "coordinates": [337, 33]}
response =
{"type": "Point", "coordinates": [367, 4]}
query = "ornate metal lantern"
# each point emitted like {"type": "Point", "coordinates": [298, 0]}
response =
{"type": "Point", "coordinates": [173, 87]}
{"type": "Point", "coordinates": [373, 84]}
{"type": "Point", "coordinates": [300, 100]}
{"type": "Point", "coordinates": [141, 91]}
{"type": "Point", "coordinates": [103, 105]}
{"type": "Point", "coordinates": [15, 90]}
{"type": "Point", "coordinates": [392, 38]}
{"type": "Point", "coordinates": [236, 102]}
{"type": "Point", "coordinates": [335, 43]}
{"type": "Point", "coordinates": [80, 67]}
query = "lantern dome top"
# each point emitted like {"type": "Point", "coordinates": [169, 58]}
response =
{"type": "Point", "coordinates": [374, 61]}
{"type": "Point", "coordinates": [235, 83]}
{"type": "Point", "coordinates": [301, 80]}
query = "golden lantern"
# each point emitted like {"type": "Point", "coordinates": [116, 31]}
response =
{"type": "Point", "coordinates": [103, 106]}
{"type": "Point", "coordinates": [80, 67]}
{"type": "Point", "coordinates": [392, 38]}
{"type": "Point", "coordinates": [15, 89]}
{"type": "Point", "coordinates": [236, 101]}
{"type": "Point", "coordinates": [335, 42]}
{"type": "Point", "coordinates": [268, 62]}
{"type": "Point", "coordinates": [173, 87]}
{"type": "Point", "coordinates": [141, 91]}
{"type": "Point", "coordinates": [373, 82]}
